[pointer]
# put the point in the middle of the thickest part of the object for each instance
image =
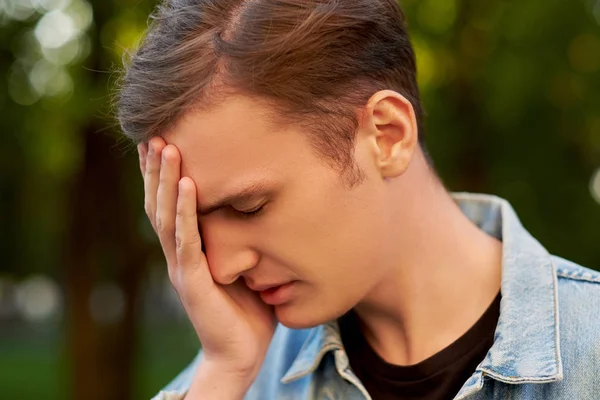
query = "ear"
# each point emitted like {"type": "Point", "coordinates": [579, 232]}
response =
{"type": "Point", "coordinates": [390, 125]}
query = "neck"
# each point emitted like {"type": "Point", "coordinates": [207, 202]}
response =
{"type": "Point", "coordinates": [445, 274]}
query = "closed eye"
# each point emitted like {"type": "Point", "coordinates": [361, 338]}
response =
{"type": "Point", "coordinates": [250, 213]}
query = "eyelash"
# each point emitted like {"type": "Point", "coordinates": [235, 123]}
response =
{"type": "Point", "coordinates": [250, 214]}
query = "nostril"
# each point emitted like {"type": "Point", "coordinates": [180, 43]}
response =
{"type": "Point", "coordinates": [248, 281]}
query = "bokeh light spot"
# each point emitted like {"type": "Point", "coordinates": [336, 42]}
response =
{"type": "Point", "coordinates": [55, 29]}
{"type": "Point", "coordinates": [82, 14]}
{"type": "Point", "coordinates": [50, 5]}
{"type": "Point", "coordinates": [63, 55]}
{"type": "Point", "coordinates": [38, 298]}
{"type": "Point", "coordinates": [19, 10]}
{"type": "Point", "coordinates": [107, 303]}
{"type": "Point", "coordinates": [49, 79]}
{"type": "Point", "coordinates": [20, 89]}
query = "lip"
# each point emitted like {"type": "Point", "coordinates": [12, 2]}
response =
{"type": "Point", "coordinates": [263, 287]}
{"type": "Point", "coordinates": [276, 294]}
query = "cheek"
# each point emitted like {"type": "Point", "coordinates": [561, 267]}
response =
{"type": "Point", "coordinates": [350, 236]}
{"type": "Point", "coordinates": [340, 251]}
{"type": "Point", "coordinates": [324, 238]}
{"type": "Point", "coordinates": [323, 231]}
{"type": "Point", "coordinates": [336, 267]}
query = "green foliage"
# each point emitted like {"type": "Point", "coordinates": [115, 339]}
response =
{"type": "Point", "coordinates": [511, 90]}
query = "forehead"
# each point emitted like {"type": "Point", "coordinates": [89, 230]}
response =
{"type": "Point", "coordinates": [236, 143]}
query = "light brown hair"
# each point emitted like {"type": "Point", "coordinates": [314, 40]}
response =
{"type": "Point", "coordinates": [317, 62]}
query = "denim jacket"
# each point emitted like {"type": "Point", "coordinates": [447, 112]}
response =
{"type": "Point", "coordinates": [546, 344]}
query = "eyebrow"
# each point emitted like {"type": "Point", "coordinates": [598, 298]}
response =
{"type": "Point", "coordinates": [248, 193]}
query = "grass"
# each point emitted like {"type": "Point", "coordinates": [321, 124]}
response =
{"type": "Point", "coordinates": [32, 364]}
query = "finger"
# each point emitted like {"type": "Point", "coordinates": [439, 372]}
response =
{"type": "Point", "coordinates": [166, 201]}
{"type": "Point", "coordinates": [151, 177]}
{"type": "Point", "coordinates": [190, 259]}
{"type": "Point", "coordinates": [142, 152]}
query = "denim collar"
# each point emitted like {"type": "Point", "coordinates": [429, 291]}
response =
{"type": "Point", "coordinates": [526, 343]}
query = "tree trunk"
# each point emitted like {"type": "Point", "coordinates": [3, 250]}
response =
{"type": "Point", "coordinates": [103, 228]}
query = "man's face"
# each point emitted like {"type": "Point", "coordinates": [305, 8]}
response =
{"type": "Point", "coordinates": [313, 231]}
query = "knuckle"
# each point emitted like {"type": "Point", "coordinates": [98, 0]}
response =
{"type": "Point", "coordinates": [148, 210]}
{"type": "Point", "coordinates": [173, 277]}
{"type": "Point", "coordinates": [160, 224]}
{"type": "Point", "coordinates": [181, 243]}
{"type": "Point", "coordinates": [152, 168]}
{"type": "Point", "coordinates": [194, 239]}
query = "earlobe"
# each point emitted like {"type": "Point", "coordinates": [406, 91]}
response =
{"type": "Point", "coordinates": [395, 164]}
{"type": "Point", "coordinates": [393, 123]}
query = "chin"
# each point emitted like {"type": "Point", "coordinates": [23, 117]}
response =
{"type": "Point", "coordinates": [295, 316]}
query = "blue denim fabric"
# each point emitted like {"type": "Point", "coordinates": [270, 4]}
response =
{"type": "Point", "coordinates": [546, 346]}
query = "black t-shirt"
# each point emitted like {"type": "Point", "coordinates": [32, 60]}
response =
{"type": "Point", "coordinates": [439, 377]}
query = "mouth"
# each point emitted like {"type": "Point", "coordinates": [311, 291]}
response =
{"type": "Point", "coordinates": [276, 294]}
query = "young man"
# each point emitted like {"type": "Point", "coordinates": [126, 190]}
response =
{"type": "Point", "coordinates": [315, 251]}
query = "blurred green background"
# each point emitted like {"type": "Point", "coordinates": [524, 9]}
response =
{"type": "Point", "coordinates": [511, 89]}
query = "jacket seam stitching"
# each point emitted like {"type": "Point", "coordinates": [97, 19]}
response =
{"type": "Point", "coordinates": [556, 319]}
{"type": "Point", "coordinates": [575, 277]}
{"type": "Point", "coordinates": [519, 379]}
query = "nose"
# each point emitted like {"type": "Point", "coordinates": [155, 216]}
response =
{"type": "Point", "coordinates": [228, 254]}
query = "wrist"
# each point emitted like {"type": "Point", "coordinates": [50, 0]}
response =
{"type": "Point", "coordinates": [214, 381]}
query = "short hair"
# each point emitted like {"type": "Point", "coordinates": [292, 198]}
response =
{"type": "Point", "coordinates": [317, 62]}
